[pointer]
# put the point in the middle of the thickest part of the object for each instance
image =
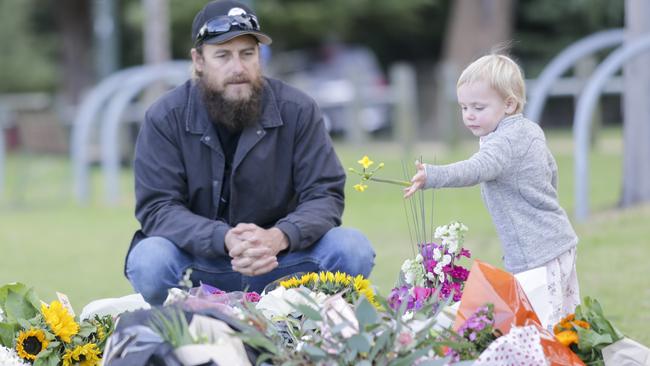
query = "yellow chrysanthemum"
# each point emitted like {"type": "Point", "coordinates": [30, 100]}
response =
{"type": "Point", "coordinates": [365, 162]}
{"type": "Point", "coordinates": [290, 283]}
{"type": "Point", "coordinates": [86, 355]}
{"type": "Point", "coordinates": [341, 278]}
{"type": "Point", "coordinates": [360, 283]}
{"type": "Point", "coordinates": [308, 279]}
{"type": "Point", "coordinates": [30, 343]}
{"type": "Point", "coordinates": [567, 337]}
{"type": "Point", "coordinates": [61, 322]}
{"type": "Point", "coordinates": [360, 187]}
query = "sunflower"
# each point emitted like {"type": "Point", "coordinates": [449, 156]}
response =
{"type": "Point", "coordinates": [86, 355]}
{"type": "Point", "coordinates": [30, 343]}
{"type": "Point", "coordinates": [60, 321]}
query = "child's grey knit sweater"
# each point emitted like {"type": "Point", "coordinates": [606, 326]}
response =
{"type": "Point", "coordinates": [518, 177]}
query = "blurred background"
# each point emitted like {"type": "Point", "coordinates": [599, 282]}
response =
{"type": "Point", "coordinates": [77, 75]}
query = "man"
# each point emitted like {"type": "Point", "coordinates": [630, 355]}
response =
{"type": "Point", "coordinates": [235, 175]}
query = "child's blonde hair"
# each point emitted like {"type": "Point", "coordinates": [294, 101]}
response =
{"type": "Point", "coordinates": [501, 73]}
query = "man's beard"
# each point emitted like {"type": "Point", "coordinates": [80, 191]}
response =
{"type": "Point", "coordinates": [235, 115]}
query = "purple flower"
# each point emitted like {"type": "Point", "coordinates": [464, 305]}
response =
{"type": "Point", "coordinates": [210, 290]}
{"type": "Point", "coordinates": [252, 297]}
{"type": "Point", "coordinates": [397, 296]}
{"type": "Point", "coordinates": [464, 253]}
{"type": "Point", "coordinates": [459, 273]}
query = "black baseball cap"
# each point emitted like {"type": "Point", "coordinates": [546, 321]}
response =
{"type": "Point", "coordinates": [222, 20]}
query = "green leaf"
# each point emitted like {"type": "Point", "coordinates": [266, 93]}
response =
{"type": "Point", "coordinates": [308, 311]}
{"type": "Point", "coordinates": [86, 329]}
{"type": "Point", "coordinates": [7, 331]}
{"type": "Point", "coordinates": [314, 352]}
{"type": "Point", "coordinates": [359, 342]}
{"type": "Point", "coordinates": [366, 313]}
{"type": "Point", "coordinates": [49, 360]}
{"type": "Point", "coordinates": [590, 339]}
{"type": "Point", "coordinates": [380, 343]}
{"type": "Point", "coordinates": [18, 304]}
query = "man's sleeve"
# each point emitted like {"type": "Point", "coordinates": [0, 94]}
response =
{"type": "Point", "coordinates": [319, 181]}
{"type": "Point", "coordinates": [161, 192]}
{"type": "Point", "coordinates": [487, 164]}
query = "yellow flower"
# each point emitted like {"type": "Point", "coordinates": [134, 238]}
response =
{"type": "Point", "coordinates": [308, 279]}
{"type": "Point", "coordinates": [86, 355]}
{"type": "Point", "coordinates": [365, 162]}
{"type": "Point", "coordinates": [61, 322]}
{"type": "Point", "coordinates": [290, 283]}
{"type": "Point", "coordinates": [360, 187]}
{"type": "Point", "coordinates": [341, 278]}
{"type": "Point", "coordinates": [581, 323]}
{"type": "Point", "coordinates": [567, 337]}
{"type": "Point", "coordinates": [360, 283]}
{"type": "Point", "coordinates": [30, 343]}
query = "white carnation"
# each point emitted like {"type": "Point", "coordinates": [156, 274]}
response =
{"type": "Point", "coordinates": [9, 357]}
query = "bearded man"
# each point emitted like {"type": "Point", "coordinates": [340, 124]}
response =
{"type": "Point", "coordinates": [235, 174]}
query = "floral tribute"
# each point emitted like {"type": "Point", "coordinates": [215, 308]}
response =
{"type": "Point", "coordinates": [474, 336]}
{"type": "Point", "coordinates": [587, 331]}
{"type": "Point", "coordinates": [33, 332]}
{"type": "Point", "coordinates": [434, 270]}
{"type": "Point", "coordinates": [328, 283]}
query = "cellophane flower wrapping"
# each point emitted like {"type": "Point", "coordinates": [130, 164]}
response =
{"type": "Point", "coordinates": [488, 284]}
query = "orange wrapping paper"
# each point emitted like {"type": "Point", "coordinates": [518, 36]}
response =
{"type": "Point", "coordinates": [488, 284]}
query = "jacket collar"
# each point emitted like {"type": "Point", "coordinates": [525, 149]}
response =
{"type": "Point", "coordinates": [197, 120]}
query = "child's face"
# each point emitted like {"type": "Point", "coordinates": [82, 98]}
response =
{"type": "Point", "coordinates": [482, 107]}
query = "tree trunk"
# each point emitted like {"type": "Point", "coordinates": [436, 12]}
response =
{"type": "Point", "coordinates": [74, 20]}
{"type": "Point", "coordinates": [157, 44]}
{"type": "Point", "coordinates": [636, 116]}
{"type": "Point", "coordinates": [475, 27]}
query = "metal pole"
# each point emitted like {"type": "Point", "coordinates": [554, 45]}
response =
{"type": "Point", "coordinates": [106, 37]}
{"type": "Point", "coordinates": [582, 119]}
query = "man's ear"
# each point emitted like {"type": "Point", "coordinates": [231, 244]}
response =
{"type": "Point", "coordinates": [197, 60]}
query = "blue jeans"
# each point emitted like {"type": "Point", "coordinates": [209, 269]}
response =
{"type": "Point", "coordinates": [156, 264]}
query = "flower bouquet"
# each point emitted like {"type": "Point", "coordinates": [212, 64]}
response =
{"type": "Point", "coordinates": [42, 334]}
{"type": "Point", "coordinates": [591, 336]}
{"type": "Point", "coordinates": [434, 270]}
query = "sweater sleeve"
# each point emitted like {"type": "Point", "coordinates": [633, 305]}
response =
{"type": "Point", "coordinates": [493, 157]}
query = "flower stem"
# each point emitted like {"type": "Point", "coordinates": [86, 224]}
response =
{"type": "Point", "coordinates": [391, 181]}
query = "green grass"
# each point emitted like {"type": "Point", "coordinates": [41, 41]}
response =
{"type": "Point", "coordinates": [49, 242]}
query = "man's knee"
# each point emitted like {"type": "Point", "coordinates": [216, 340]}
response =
{"type": "Point", "coordinates": [348, 249]}
{"type": "Point", "coordinates": [153, 266]}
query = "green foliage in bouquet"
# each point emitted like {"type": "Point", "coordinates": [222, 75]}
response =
{"type": "Point", "coordinates": [338, 333]}
{"type": "Point", "coordinates": [171, 324]}
{"type": "Point", "coordinates": [49, 335]}
{"type": "Point", "coordinates": [587, 332]}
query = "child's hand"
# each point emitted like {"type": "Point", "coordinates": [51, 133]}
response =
{"type": "Point", "coordinates": [418, 180]}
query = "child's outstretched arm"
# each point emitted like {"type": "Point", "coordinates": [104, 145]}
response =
{"type": "Point", "coordinates": [417, 181]}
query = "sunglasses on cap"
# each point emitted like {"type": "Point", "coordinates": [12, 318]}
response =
{"type": "Point", "coordinates": [222, 24]}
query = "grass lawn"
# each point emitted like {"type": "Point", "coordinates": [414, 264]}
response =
{"type": "Point", "coordinates": [49, 242]}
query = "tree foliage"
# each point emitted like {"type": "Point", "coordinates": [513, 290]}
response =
{"type": "Point", "coordinates": [396, 30]}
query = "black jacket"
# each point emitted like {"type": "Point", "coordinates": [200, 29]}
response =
{"type": "Point", "coordinates": [285, 172]}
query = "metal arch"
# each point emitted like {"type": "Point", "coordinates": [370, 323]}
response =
{"type": "Point", "coordinates": [82, 126]}
{"type": "Point", "coordinates": [173, 73]}
{"type": "Point", "coordinates": [582, 119]}
{"type": "Point", "coordinates": [563, 61]}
